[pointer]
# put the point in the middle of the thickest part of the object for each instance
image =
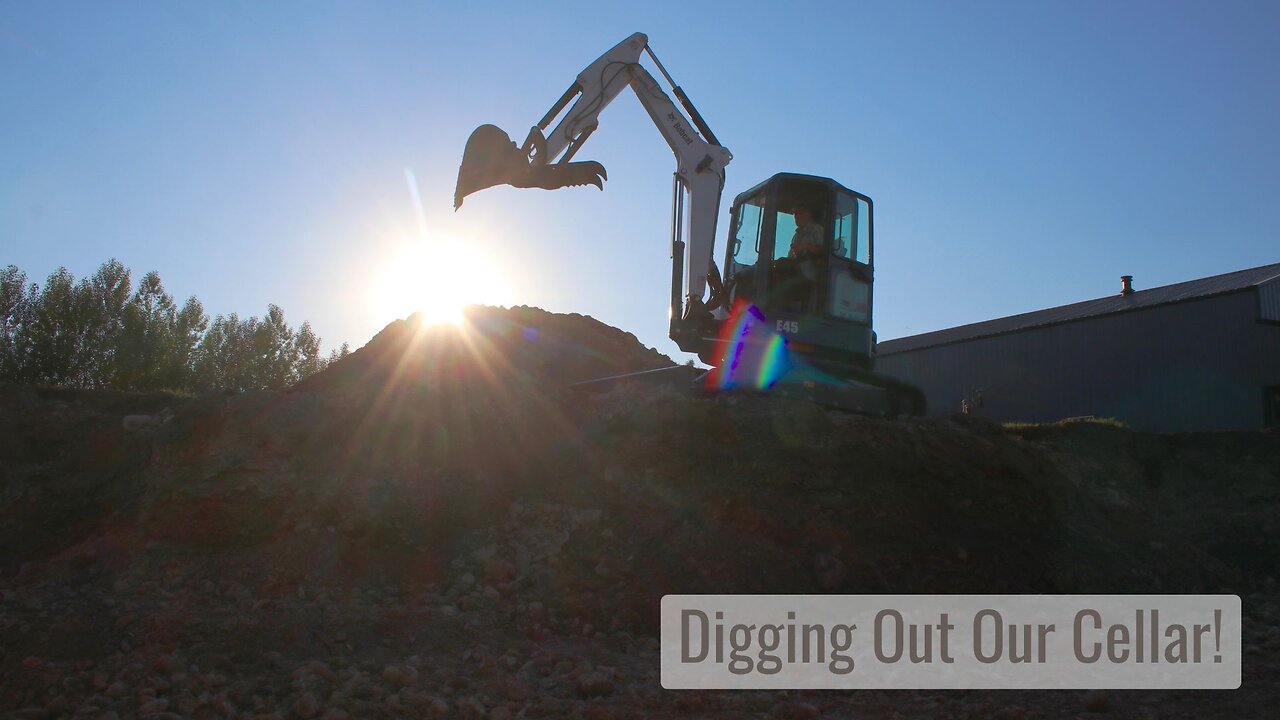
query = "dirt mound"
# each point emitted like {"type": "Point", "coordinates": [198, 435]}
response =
{"type": "Point", "coordinates": [507, 347]}
{"type": "Point", "coordinates": [441, 524]}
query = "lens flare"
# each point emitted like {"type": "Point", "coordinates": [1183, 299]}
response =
{"type": "Point", "coordinates": [753, 355]}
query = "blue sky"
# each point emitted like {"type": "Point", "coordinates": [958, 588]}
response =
{"type": "Point", "coordinates": [1021, 155]}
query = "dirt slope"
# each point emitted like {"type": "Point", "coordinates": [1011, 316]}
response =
{"type": "Point", "coordinates": [440, 525]}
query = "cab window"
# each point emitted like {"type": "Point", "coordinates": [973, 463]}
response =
{"type": "Point", "coordinates": [788, 233]}
{"type": "Point", "coordinates": [784, 229]}
{"type": "Point", "coordinates": [746, 234]}
{"type": "Point", "coordinates": [853, 229]}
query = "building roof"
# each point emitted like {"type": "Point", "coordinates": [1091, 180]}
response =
{"type": "Point", "coordinates": [1178, 292]}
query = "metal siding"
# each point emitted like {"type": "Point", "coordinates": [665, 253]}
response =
{"type": "Point", "coordinates": [1198, 365]}
{"type": "Point", "coordinates": [1142, 299]}
{"type": "Point", "coordinates": [1269, 301]}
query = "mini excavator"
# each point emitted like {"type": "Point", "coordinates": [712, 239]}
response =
{"type": "Point", "coordinates": [791, 314]}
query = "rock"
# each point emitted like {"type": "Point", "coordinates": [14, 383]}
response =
{"type": "Point", "coordinates": [154, 707]}
{"type": "Point", "coordinates": [306, 706]}
{"type": "Point", "coordinates": [437, 708]}
{"type": "Point", "coordinates": [830, 572]}
{"type": "Point", "coordinates": [314, 668]}
{"type": "Point", "coordinates": [795, 710]}
{"type": "Point", "coordinates": [498, 571]}
{"type": "Point", "coordinates": [400, 675]}
{"type": "Point", "coordinates": [163, 665]}
{"type": "Point", "coordinates": [1096, 701]}
{"type": "Point", "coordinates": [515, 692]}
{"type": "Point", "coordinates": [595, 684]}
{"type": "Point", "coordinates": [413, 699]}
{"type": "Point", "coordinates": [222, 705]}
{"type": "Point", "coordinates": [470, 708]}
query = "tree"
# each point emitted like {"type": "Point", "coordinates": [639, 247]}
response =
{"type": "Point", "coordinates": [16, 303]}
{"type": "Point", "coordinates": [225, 355]}
{"type": "Point", "coordinates": [96, 333]}
{"type": "Point", "coordinates": [190, 325]}
{"type": "Point", "coordinates": [57, 334]}
{"type": "Point", "coordinates": [273, 351]}
{"type": "Point", "coordinates": [306, 358]}
{"type": "Point", "coordinates": [338, 354]}
{"type": "Point", "coordinates": [146, 343]}
{"type": "Point", "coordinates": [109, 297]}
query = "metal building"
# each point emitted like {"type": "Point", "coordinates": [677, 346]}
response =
{"type": "Point", "coordinates": [1197, 355]}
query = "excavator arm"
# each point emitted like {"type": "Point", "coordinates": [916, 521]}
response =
{"type": "Point", "coordinates": [545, 161]}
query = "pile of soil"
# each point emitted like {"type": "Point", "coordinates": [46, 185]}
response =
{"type": "Point", "coordinates": [444, 525]}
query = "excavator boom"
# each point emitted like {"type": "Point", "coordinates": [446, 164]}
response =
{"type": "Point", "coordinates": [545, 161]}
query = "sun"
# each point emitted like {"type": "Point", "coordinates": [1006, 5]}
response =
{"type": "Point", "coordinates": [435, 277]}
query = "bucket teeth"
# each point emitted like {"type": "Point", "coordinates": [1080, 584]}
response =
{"type": "Point", "coordinates": [491, 158]}
{"type": "Point", "coordinates": [553, 177]}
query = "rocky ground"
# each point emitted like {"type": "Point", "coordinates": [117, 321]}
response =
{"type": "Point", "coordinates": [442, 525]}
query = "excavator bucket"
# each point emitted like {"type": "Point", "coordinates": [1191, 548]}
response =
{"type": "Point", "coordinates": [491, 158]}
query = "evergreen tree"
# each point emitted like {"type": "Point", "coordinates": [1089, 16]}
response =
{"type": "Point", "coordinates": [341, 352]}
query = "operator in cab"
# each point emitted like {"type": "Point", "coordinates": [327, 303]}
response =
{"type": "Point", "coordinates": [807, 240]}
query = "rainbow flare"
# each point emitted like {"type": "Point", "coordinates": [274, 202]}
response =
{"type": "Point", "coordinates": [754, 355]}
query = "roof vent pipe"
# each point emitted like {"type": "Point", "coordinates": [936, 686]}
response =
{"type": "Point", "coordinates": [1126, 284]}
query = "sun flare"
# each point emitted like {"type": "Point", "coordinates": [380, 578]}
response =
{"type": "Point", "coordinates": [435, 277]}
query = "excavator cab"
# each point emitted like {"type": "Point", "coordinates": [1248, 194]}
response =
{"type": "Point", "coordinates": [800, 250]}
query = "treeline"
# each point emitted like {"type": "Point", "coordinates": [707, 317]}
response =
{"type": "Point", "coordinates": [101, 332]}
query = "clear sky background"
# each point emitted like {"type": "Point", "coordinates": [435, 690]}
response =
{"type": "Point", "coordinates": [1021, 154]}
